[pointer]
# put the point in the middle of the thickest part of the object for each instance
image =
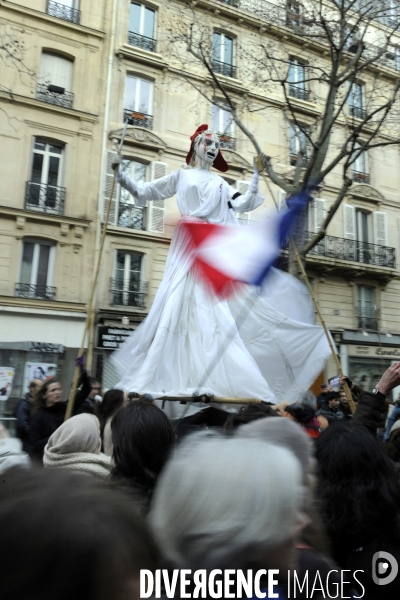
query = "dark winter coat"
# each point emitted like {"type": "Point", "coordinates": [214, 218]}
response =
{"type": "Point", "coordinates": [23, 414]}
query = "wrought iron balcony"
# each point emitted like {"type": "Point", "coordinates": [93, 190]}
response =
{"type": "Point", "coordinates": [53, 94]}
{"type": "Point", "coordinates": [357, 111]}
{"type": "Point", "coordinates": [60, 11]}
{"type": "Point", "coordinates": [360, 177]}
{"type": "Point", "coordinates": [227, 141]}
{"type": "Point", "coordinates": [26, 290]}
{"type": "Point", "coordinates": [353, 250]}
{"type": "Point", "coordinates": [138, 118]}
{"type": "Point", "coordinates": [141, 41]}
{"type": "Point", "coordinates": [128, 294]}
{"type": "Point", "coordinates": [224, 68]}
{"type": "Point", "coordinates": [367, 318]}
{"type": "Point", "coordinates": [131, 216]}
{"type": "Point", "coordinates": [295, 91]}
{"type": "Point", "coordinates": [235, 3]}
{"type": "Point", "coordinates": [44, 198]}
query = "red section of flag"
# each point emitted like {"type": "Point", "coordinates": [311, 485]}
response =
{"type": "Point", "coordinates": [200, 231]}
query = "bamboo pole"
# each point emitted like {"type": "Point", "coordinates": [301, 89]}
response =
{"type": "Point", "coordinates": [71, 400]}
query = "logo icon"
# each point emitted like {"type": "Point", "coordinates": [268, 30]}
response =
{"type": "Point", "coordinates": [384, 568]}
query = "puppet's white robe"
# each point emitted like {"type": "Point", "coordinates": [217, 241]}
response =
{"type": "Point", "coordinates": [271, 356]}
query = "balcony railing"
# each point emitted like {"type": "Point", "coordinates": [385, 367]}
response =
{"type": "Point", "coordinates": [357, 111]}
{"type": "Point", "coordinates": [360, 177]}
{"type": "Point", "coordinates": [129, 294]}
{"type": "Point", "coordinates": [298, 92]}
{"type": "Point", "coordinates": [44, 198]}
{"type": "Point", "coordinates": [235, 3]}
{"type": "Point", "coordinates": [26, 290]}
{"type": "Point", "coordinates": [353, 250]}
{"type": "Point", "coordinates": [367, 318]}
{"type": "Point", "coordinates": [139, 119]}
{"type": "Point", "coordinates": [53, 94]}
{"type": "Point", "coordinates": [60, 11]}
{"type": "Point", "coordinates": [131, 216]}
{"type": "Point", "coordinates": [227, 141]}
{"type": "Point", "coordinates": [141, 41]}
{"type": "Point", "coordinates": [294, 158]}
{"type": "Point", "coordinates": [224, 68]}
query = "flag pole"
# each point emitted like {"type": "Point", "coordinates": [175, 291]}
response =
{"type": "Point", "coordinates": [307, 282]}
{"type": "Point", "coordinates": [71, 400]}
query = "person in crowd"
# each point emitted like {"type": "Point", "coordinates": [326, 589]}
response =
{"type": "Point", "coordinates": [89, 404]}
{"type": "Point", "coordinates": [321, 398]}
{"type": "Point", "coordinates": [11, 453]}
{"type": "Point", "coordinates": [330, 411]}
{"type": "Point", "coordinates": [248, 413]}
{"type": "Point", "coordinates": [392, 447]}
{"type": "Point", "coordinates": [229, 503]}
{"type": "Point", "coordinates": [23, 413]}
{"type": "Point", "coordinates": [48, 415]}
{"type": "Point", "coordinates": [142, 438]}
{"type": "Point", "coordinates": [344, 404]}
{"type": "Point", "coordinates": [392, 418]}
{"type": "Point", "coordinates": [76, 445]}
{"type": "Point", "coordinates": [360, 497]}
{"type": "Point", "coordinates": [303, 412]}
{"type": "Point", "coordinates": [112, 402]}
{"type": "Point", "coordinates": [67, 536]}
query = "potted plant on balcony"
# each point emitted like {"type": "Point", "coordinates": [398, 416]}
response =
{"type": "Point", "coordinates": [361, 176]}
{"type": "Point", "coordinates": [138, 115]}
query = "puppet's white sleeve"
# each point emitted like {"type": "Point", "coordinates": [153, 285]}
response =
{"type": "Point", "coordinates": [250, 200]}
{"type": "Point", "coordinates": [159, 189]}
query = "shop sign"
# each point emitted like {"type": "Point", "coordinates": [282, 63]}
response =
{"type": "Point", "coordinates": [374, 351]}
{"type": "Point", "coordinates": [112, 337]}
{"type": "Point", "coordinates": [44, 347]}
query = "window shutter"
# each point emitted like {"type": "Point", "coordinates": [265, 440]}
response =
{"type": "Point", "coordinates": [109, 176]}
{"type": "Point", "coordinates": [319, 213]}
{"type": "Point", "coordinates": [349, 221]}
{"type": "Point", "coordinates": [242, 187]}
{"type": "Point", "coordinates": [380, 228]}
{"type": "Point", "coordinates": [157, 207]}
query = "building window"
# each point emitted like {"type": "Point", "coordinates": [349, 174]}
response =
{"type": "Point", "coordinates": [391, 18]}
{"type": "Point", "coordinates": [127, 287]}
{"type": "Point", "coordinates": [68, 10]}
{"type": "Point", "coordinates": [142, 27]}
{"type": "Point", "coordinates": [293, 13]}
{"type": "Point", "coordinates": [356, 101]}
{"type": "Point", "coordinates": [359, 167]}
{"type": "Point", "coordinates": [299, 145]}
{"type": "Point", "coordinates": [367, 311]}
{"type": "Point", "coordinates": [297, 80]}
{"type": "Point", "coordinates": [138, 104]}
{"type": "Point", "coordinates": [55, 80]}
{"type": "Point", "coordinates": [36, 273]}
{"type": "Point", "coordinates": [222, 123]}
{"type": "Point", "coordinates": [223, 55]}
{"type": "Point", "coordinates": [43, 191]}
{"type": "Point", "coordinates": [128, 214]}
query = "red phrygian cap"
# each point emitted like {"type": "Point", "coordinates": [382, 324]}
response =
{"type": "Point", "coordinates": [219, 162]}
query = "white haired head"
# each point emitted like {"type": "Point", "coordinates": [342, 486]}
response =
{"type": "Point", "coordinates": [227, 502]}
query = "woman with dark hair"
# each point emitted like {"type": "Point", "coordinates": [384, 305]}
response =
{"type": "Point", "coordinates": [142, 438]}
{"type": "Point", "coordinates": [49, 413]}
{"type": "Point", "coordinates": [360, 503]}
{"type": "Point", "coordinates": [113, 400]}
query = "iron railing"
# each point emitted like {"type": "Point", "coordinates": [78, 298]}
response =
{"type": "Point", "coordinates": [44, 198]}
{"type": "Point", "coordinates": [141, 41]}
{"type": "Point", "coordinates": [360, 176]}
{"type": "Point", "coordinates": [298, 92]}
{"type": "Point", "coordinates": [353, 250]}
{"type": "Point", "coordinates": [224, 68]}
{"type": "Point", "coordinates": [131, 216]}
{"type": "Point", "coordinates": [227, 141]}
{"type": "Point", "coordinates": [357, 111]}
{"type": "Point", "coordinates": [138, 118]}
{"type": "Point", "coordinates": [367, 318]}
{"type": "Point", "coordinates": [128, 294]}
{"type": "Point", "coordinates": [235, 3]}
{"type": "Point", "coordinates": [60, 11]}
{"type": "Point", "coordinates": [26, 290]}
{"type": "Point", "coordinates": [54, 94]}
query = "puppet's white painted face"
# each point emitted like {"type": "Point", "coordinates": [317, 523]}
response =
{"type": "Point", "coordinates": [208, 147]}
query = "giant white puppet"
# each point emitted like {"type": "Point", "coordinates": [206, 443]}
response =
{"type": "Point", "coordinates": [275, 352]}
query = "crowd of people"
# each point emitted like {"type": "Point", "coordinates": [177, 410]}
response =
{"type": "Point", "coordinates": [307, 488]}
